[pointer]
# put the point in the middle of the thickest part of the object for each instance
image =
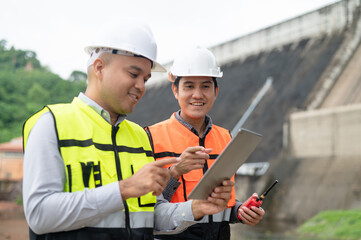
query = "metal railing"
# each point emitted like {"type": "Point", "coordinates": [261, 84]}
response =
{"type": "Point", "coordinates": [253, 105]}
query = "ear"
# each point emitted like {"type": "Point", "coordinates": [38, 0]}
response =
{"type": "Point", "coordinates": [175, 91]}
{"type": "Point", "coordinates": [217, 89]}
{"type": "Point", "coordinates": [98, 67]}
{"type": "Point", "coordinates": [171, 77]}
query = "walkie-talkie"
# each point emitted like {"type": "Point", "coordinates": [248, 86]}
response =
{"type": "Point", "coordinates": [257, 202]}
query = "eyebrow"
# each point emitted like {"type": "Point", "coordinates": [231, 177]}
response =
{"type": "Point", "coordinates": [139, 69]}
{"type": "Point", "coordinates": [208, 81]}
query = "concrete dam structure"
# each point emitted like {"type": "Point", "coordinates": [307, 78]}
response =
{"type": "Point", "coordinates": [310, 117]}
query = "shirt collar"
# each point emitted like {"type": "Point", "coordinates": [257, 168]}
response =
{"type": "Point", "coordinates": [207, 120]}
{"type": "Point", "coordinates": [101, 111]}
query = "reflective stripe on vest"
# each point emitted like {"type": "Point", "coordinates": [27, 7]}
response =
{"type": "Point", "coordinates": [170, 138]}
{"type": "Point", "coordinates": [95, 153]}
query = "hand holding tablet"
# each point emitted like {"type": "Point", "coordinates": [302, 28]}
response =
{"type": "Point", "coordinates": [227, 163]}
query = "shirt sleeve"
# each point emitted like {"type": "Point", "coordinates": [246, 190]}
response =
{"type": "Point", "coordinates": [173, 218]}
{"type": "Point", "coordinates": [234, 212]}
{"type": "Point", "coordinates": [47, 208]}
{"type": "Point", "coordinates": [170, 189]}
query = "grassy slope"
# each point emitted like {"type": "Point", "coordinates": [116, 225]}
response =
{"type": "Point", "coordinates": [333, 225]}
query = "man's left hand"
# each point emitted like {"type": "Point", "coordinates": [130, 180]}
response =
{"type": "Point", "coordinates": [251, 216]}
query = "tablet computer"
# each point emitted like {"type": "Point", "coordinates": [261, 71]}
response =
{"type": "Point", "coordinates": [227, 163]}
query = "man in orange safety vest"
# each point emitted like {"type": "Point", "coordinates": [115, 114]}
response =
{"type": "Point", "coordinates": [190, 135]}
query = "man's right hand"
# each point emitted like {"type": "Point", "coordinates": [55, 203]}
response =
{"type": "Point", "coordinates": [152, 177]}
{"type": "Point", "coordinates": [192, 158]}
{"type": "Point", "coordinates": [215, 203]}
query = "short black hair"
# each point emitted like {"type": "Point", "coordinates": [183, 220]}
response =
{"type": "Point", "coordinates": [176, 82]}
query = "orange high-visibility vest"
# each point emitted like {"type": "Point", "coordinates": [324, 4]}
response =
{"type": "Point", "coordinates": [170, 138]}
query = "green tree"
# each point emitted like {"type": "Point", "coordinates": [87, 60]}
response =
{"type": "Point", "coordinates": [23, 91]}
{"type": "Point", "coordinates": [37, 93]}
{"type": "Point", "coordinates": [78, 76]}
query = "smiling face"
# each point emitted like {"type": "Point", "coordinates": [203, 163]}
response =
{"type": "Point", "coordinates": [120, 82]}
{"type": "Point", "coordinates": [195, 96]}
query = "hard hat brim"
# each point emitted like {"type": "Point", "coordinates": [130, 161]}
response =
{"type": "Point", "coordinates": [172, 76]}
{"type": "Point", "coordinates": [157, 67]}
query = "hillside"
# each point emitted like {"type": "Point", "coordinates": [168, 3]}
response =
{"type": "Point", "coordinates": [26, 86]}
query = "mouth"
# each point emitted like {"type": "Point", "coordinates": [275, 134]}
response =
{"type": "Point", "coordinates": [134, 97]}
{"type": "Point", "coordinates": [197, 104]}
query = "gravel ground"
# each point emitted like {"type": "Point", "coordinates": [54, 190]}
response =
{"type": "Point", "coordinates": [13, 225]}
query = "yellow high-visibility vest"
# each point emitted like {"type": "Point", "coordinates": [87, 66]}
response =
{"type": "Point", "coordinates": [95, 153]}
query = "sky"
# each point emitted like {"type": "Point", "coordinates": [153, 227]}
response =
{"type": "Point", "coordinates": [58, 30]}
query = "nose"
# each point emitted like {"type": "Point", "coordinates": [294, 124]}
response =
{"type": "Point", "coordinates": [197, 93]}
{"type": "Point", "coordinates": [140, 84]}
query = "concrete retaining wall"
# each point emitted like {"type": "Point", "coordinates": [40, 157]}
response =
{"type": "Point", "coordinates": [332, 132]}
{"type": "Point", "coordinates": [325, 21]}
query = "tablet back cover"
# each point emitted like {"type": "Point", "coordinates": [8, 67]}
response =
{"type": "Point", "coordinates": [227, 163]}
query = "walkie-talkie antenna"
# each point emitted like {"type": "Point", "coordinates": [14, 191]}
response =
{"type": "Point", "coordinates": [266, 192]}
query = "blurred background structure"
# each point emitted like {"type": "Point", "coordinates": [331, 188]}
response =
{"type": "Point", "coordinates": [310, 116]}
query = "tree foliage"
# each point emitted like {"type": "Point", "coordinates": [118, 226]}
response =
{"type": "Point", "coordinates": [26, 86]}
{"type": "Point", "coordinates": [77, 76]}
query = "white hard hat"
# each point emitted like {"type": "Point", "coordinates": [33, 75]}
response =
{"type": "Point", "coordinates": [128, 37]}
{"type": "Point", "coordinates": [196, 61]}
